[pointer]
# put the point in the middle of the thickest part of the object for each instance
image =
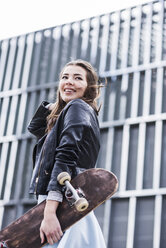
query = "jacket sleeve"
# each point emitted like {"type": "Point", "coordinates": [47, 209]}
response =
{"type": "Point", "coordinates": [38, 124]}
{"type": "Point", "coordinates": [72, 141]}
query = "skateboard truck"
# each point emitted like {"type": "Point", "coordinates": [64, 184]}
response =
{"type": "Point", "coordinates": [3, 245]}
{"type": "Point", "coordinates": [80, 202]}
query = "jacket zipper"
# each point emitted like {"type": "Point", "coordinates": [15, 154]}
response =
{"type": "Point", "coordinates": [37, 178]}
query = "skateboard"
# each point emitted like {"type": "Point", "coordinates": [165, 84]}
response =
{"type": "Point", "coordinates": [83, 194]}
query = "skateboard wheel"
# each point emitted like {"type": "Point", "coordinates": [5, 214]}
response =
{"type": "Point", "coordinates": [62, 177]}
{"type": "Point", "coordinates": [81, 205]}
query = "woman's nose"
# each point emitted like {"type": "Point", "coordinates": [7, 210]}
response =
{"type": "Point", "coordinates": [69, 81]}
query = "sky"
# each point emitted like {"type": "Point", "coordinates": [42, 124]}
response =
{"type": "Point", "coordinates": [19, 17]}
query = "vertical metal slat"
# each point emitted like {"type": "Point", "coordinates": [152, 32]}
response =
{"type": "Point", "coordinates": [140, 157]}
{"type": "Point", "coordinates": [124, 158]}
{"type": "Point", "coordinates": [74, 45]}
{"type": "Point", "coordinates": [159, 91]}
{"type": "Point", "coordinates": [135, 95]}
{"type": "Point", "coordinates": [25, 78]}
{"type": "Point", "coordinates": [85, 38]}
{"type": "Point", "coordinates": [10, 172]}
{"type": "Point", "coordinates": [1, 215]}
{"type": "Point", "coordinates": [95, 40]}
{"type": "Point", "coordinates": [131, 222]}
{"type": "Point", "coordinates": [3, 165]}
{"type": "Point", "coordinates": [104, 43]}
{"type": "Point", "coordinates": [147, 90]}
{"type": "Point", "coordinates": [159, 31]}
{"type": "Point", "coordinates": [157, 221]}
{"type": "Point", "coordinates": [136, 38]}
{"type": "Point", "coordinates": [115, 42]}
{"type": "Point", "coordinates": [57, 35]}
{"type": "Point", "coordinates": [4, 114]}
{"type": "Point", "coordinates": [126, 38]}
{"type": "Point", "coordinates": [108, 166]}
{"type": "Point", "coordinates": [19, 62]}
{"type": "Point", "coordinates": [10, 64]}
{"type": "Point", "coordinates": [12, 115]}
{"type": "Point", "coordinates": [3, 61]}
{"type": "Point", "coordinates": [123, 98]}
{"type": "Point", "coordinates": [157, 155]}
{"type": "Point", "coordinates": [147, 36]}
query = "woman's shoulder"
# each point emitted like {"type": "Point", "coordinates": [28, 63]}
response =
{"type": "Point", "coordinates": [78, 110]}
{"type": "Point", "coordinates": [79, 104]}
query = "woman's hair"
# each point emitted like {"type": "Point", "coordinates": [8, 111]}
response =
{"type": "Point", "coordinates": [90, 96]}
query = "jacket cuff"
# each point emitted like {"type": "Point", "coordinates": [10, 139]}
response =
{"type": "Point", "coordinates": [55, 196]}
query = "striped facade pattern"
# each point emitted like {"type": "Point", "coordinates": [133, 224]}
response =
{"type": "Point", "coordinates": [128, 48]}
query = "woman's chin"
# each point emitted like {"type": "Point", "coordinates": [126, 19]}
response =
{"type": "Point", "coordinates": [68, 99]}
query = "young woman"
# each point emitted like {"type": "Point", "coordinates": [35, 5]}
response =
{"type": "Point", "coordinates": [68, 140]}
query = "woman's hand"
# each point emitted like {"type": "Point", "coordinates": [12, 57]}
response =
{"type": "Point", "coordinates": [50, 226]}
{"type": "Point", "coordinates": [51, 106]}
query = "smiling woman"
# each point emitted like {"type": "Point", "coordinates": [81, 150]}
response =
{"type": "Point", "coordinates": [69, 140]}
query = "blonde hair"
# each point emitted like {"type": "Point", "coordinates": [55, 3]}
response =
{"type": "Point", "coordinates": [91, 94]}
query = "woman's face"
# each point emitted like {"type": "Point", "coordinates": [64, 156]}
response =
{"type": "Point", "coordinates": [73, 83]}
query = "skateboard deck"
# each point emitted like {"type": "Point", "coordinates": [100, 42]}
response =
{"type": "Point", "coordinates": [97, 186]}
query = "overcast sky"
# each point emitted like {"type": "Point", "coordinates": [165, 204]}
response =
{"type": "Point", "coordinates": [23, 16]}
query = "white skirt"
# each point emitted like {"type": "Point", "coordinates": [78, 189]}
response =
{"type": "Point", "coordinates": [86, 233]}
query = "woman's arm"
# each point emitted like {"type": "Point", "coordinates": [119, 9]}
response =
{"type": "Point", "coordinates": [38, 123]}
{"type": "Point", "coordinates": [79, 142]}
{"type": "Point", "coordinates": [50, 226]}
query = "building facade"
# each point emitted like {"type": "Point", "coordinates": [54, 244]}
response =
{"type": "Point", "coordinates": [128, 48]}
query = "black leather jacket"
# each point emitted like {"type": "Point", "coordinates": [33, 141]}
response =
{"type": "Point", "coordinates": [72, 143]}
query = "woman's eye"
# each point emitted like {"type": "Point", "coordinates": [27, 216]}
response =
{"type": "Point", "coordinates": [64, 77]}
{"type": "Point", "coordinates": [78, 78]}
